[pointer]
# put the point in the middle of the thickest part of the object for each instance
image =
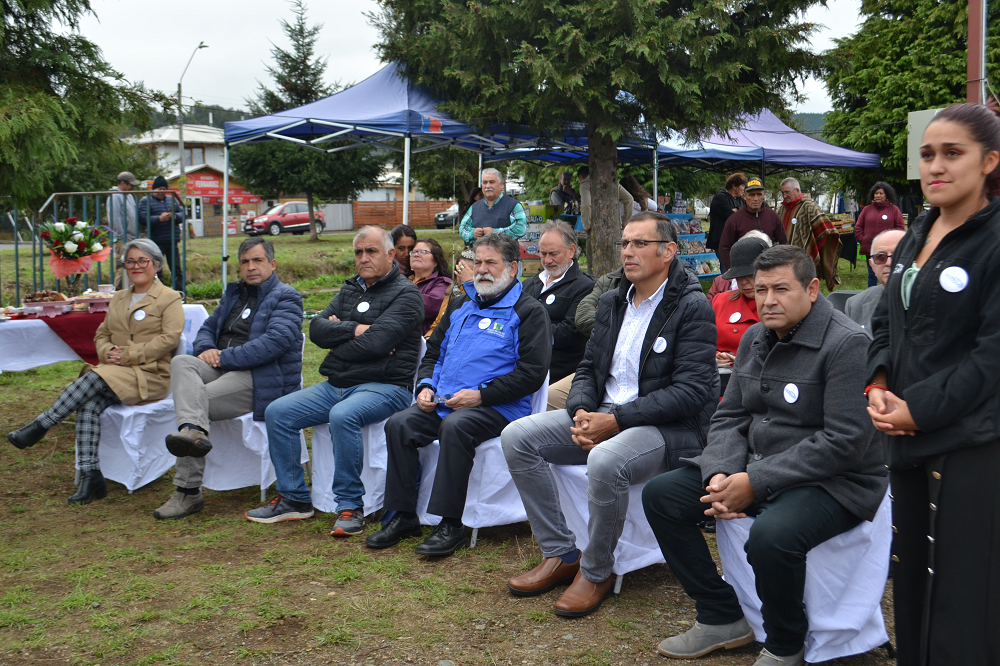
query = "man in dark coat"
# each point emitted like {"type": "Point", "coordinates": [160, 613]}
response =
{"type": "Point", "coordinates": [640, 401]}
{"type": "Point", "coordinates": [755, 215]}
{"type": "Point", "coordinates": [560, 287]}
{"type": "Point", "coordinates": [248, 354]}
{"type": "Point", "coordinates": [725, 202]}
{"type": "Point", "coordinates": [490, 352]}
{"type": "Point", "coordinates": [163, 215]}
{"type": "Point", "coordinates": [372, 329]}
{"type": "Point", "coordinates": [787, 445]}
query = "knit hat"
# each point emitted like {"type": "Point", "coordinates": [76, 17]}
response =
{"type": "Point", "coordinates": [160, 181]}
{"type": "Point", "coordinates": [742, 256]}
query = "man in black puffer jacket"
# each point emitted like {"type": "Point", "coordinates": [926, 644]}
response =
{"type": "Point", "coordinates": [372, 328]}
{"type": "Point", "coordinates": [641, 400]}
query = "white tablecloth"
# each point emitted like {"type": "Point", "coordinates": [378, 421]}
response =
{"type": "Point", "coordinates": [30, 343]}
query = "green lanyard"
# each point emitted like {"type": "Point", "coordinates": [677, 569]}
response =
{"type": "Point", "coordinates": [906, 287]}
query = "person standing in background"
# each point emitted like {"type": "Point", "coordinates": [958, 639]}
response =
{"type": "Point", "coordinates": [725, 202]}
{"type": "Point", "coordinates": [156, 211]}
{"type": "Point", "coordinates": [882, 214]}
{"type": "Point", "coordinates": [121, 216]}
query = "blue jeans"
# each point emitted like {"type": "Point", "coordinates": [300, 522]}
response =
{"type": "Point", "coordinates": [347, 411]}
{"type": "Point", "coordinates": [872, 280]}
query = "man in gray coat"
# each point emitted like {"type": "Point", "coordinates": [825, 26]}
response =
{"type": "Point", "coordinates": [788, 444]}
{"type": "Point", "coordinates": [860, 308]}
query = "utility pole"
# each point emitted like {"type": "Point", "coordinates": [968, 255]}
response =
{"type": "Point", "coordinates": [976, 54]}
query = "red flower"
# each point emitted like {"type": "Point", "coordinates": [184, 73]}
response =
{"type": "Point", "coordinates": [96, 233]}
{"type": "Point", "coordinates": [46, 235]}
{"type": "Point", "coordinates": [70, 220]}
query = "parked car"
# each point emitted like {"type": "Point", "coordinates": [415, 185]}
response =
{"type": "Point", "coordinates": [446, 219]}
{"type": "Point", "coordinates": [700, 210]}
{"type": "Point", "coordinates": [292, 217]}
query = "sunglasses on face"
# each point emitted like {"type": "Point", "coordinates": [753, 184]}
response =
{"type": "Point", "coordinates": [132, 263]}
{"type": "Point", "coordinates": [880, 258]}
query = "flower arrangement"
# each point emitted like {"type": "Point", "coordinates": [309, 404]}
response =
{"type": "Point", "coordinates": [74, 245]}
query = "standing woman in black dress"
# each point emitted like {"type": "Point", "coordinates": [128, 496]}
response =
{"type": "Point", "coordinates": [934, 373]}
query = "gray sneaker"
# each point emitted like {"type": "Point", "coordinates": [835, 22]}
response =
{"type": "Point", "coordinates": [768, 659]}
{"type": "Point", "coordinates": [350, 522]}
{"type": "Point", "coordinates": [704, 638]}
{"type": "Point", "coordinates": [180, 505]}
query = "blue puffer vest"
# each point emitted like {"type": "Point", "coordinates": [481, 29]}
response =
{"type": "Point", "coordinates": [273, 354]}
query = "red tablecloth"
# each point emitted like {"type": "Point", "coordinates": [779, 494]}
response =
{"type": "Point", "coordinates": [77, 329]}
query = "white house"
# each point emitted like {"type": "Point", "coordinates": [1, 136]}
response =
{"type": "Point", "coordinates": [202, 145]}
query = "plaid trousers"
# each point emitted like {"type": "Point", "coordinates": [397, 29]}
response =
{"type": "Point", "coordinates": [88, 396]}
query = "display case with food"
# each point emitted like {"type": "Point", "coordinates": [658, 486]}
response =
{"type": "Point", "coordinates": [691, 246]}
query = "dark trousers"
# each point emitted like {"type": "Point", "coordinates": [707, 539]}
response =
{"type": "Point", "coordinates": [176, 272]}
{"type": "Point", "coordinates": [459, 434]}
{"type": "Point", "coordinates": [950, 617]}
{"type": "Point", "coordinates": [785, 530]}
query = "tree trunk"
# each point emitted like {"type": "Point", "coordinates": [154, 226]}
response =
{"type": "Point", "coordinates": [313, 237]}
{"type": "Point", "coordinates": [605, 224]}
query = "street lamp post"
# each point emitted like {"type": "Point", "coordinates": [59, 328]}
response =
{"type": "Point", "coordinates": [180, 121]}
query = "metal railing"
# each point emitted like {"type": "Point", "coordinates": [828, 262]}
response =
{"type": "Point", "coordinates": [61, 205]}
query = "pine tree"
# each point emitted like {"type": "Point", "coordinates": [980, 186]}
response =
{"type": "Point", "coordinates": [614, 65]}
{"type": "Point", "coordinates": [277, 167]}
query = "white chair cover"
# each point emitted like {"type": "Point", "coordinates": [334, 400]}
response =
{"type": "Point", "coordinates": [492, 498]}
{"type": "Point", "coordinates": [240, 456]}
{"type": "Point", "coordinates": [637, 547]}
{"type": "Point", "coordinates": [132, 448]}
{"type": "Point", "coordinates": [373, 470]}
{"type": "Point", "coordinates": [845, 580]}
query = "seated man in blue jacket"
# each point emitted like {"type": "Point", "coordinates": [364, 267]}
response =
{"type": "Point", "coordinates": [641, 400]}
{"type": "Point", "coordinates": [372, 328]}
{"type": "Point", "coordinates": [248, 353]}
{"type": "Point", "coordinates": [155, 213]}
{"type": "Point", "coordinates": [490, 352]}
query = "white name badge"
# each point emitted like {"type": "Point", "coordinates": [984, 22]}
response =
{"type": "Point", "coordinates": [484, 324]}
{"type": "Point", "coordinates": [735, 317]}
{"type": "Point", "coordinates": [954, 279]}
{"type": "Point", "coordinates": [551, 299]}
{"type": "Point", "coordinates": [659, 345]}
{"type": "Point", "coordinates": [885, 217]}
{"type": "Point", "coordinates": [139, 315]}
{"type": "Point", "coordinates": [795, 220]}
{"type": "Point", "coordinates": [246, 313]}
{"type": "Point", "coordinates": [364, 306]}
{"type": "Point", "coordinates": [791, 393]}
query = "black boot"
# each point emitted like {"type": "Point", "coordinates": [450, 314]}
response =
{"type": "Point", "coordinates": [27, 436]}
{"type": "Point", "coordinates": [92, 486]}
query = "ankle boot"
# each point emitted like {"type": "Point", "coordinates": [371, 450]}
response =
{"type": "Point", "coordinates": [27, 436]}
{"type": "Point", "coordinates": [92, 486]}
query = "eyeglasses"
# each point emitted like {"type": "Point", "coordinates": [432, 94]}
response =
{"type": "Point", "coordinates": [132, 263]}
{"type": "Point", "coordinates": [637, 243]}
{"type": "Point", "coordinates": [880, 258]}
{"type": "Point", "coordinates": [419, 253]}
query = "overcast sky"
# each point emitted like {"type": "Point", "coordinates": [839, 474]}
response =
{"type": "Point", "coordinates": [155, 50]}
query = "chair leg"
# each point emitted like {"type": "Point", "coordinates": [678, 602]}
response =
{"type": "Point", "coordinates": [76, 478]}
{"type": "Point", "coordinates": [475, 537]}
{"type": "Point", "coordinates": [309, 470]}
{"type": "Point", "coordinates": [618, 584]}
{"type": "Point", "coordinates": [263, 495]}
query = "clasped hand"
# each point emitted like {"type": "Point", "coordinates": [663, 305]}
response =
{"type": "Point", "coordinates": [460, 400]}
{"type": "Point", "coordinates": [890, 413]}
{"type": "Point", "coordinates": [115, 356]}
{"type": "Point", "coordinates": [729, 495]}
{"type": "Point", "coordinates": [211, 356]}
{"type": "Point", "coordinates": [591, 428]}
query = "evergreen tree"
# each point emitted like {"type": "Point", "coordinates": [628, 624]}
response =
{"type": "Point", "coordinates": [59, 99]}
{"type": "Point", "coordinates": [909, 55]}
{"type": "Point", "coordinates": [277, 167]}
{"type": "Point", "coordinates": [614, 65]}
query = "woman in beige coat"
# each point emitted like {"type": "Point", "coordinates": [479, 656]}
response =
{"type": "Point", "coordinates": [134, 344]}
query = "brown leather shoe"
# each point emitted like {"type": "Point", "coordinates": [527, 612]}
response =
{"type": "Point", "coordinates": [583, 597]}
{"type": "Point", "coordinates": [551, 572]}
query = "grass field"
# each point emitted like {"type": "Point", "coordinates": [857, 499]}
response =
{"type": "Point", "coordinates": [106, 584]}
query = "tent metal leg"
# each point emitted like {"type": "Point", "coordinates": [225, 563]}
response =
{"type": "Point", "coordinates": [406, 180]}
{"type": "Point", "coordinates": [225, 216]}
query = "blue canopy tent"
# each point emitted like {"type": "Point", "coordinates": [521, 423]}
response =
{"type": "Point", "coordinates": [384, 106]}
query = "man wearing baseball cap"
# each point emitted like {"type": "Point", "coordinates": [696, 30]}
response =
{"type": "Point", "coordinates": [754, 215]}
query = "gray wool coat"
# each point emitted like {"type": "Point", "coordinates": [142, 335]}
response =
{"type": "Point", "coordinates": [794, 415]}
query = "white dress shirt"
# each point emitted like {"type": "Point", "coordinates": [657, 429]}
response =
{"type": "Point", "coordinates": [544, 277]}
{"type": "Point", "coordinates": [622, 386]}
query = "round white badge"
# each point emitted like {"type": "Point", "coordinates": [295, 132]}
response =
{"type": "Point", "coordinates": [484, 323]}
{"type": "Point", "coordinates": [885, 217]}
{"type": "Point", "coordinates": [794, 220]}
{"type": "Point", "coordinates": [364, 306]}
{"type": "Point", "coordinates": [791, 393]}
{"type": "Point", "coordinates": [551, 299]}
{"type": "Point", "coordinates": [735, 317]}
{"type": "Point", "coordinates": [139, 315]}
{"type": "Point", "coordinates": [659, 345]}
{"type": "Point", "coordinates": [954, 279]}
{"type": "Point", "coordinates": [246, 313]}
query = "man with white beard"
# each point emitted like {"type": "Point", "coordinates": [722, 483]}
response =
{"type": "Point", "coordinates": [486, 357]}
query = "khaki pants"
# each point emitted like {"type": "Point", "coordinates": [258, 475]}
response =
{"type": "Point", "coordinates": [203, 394]}
{"type": "Point", "coordinates": [558, 393]}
